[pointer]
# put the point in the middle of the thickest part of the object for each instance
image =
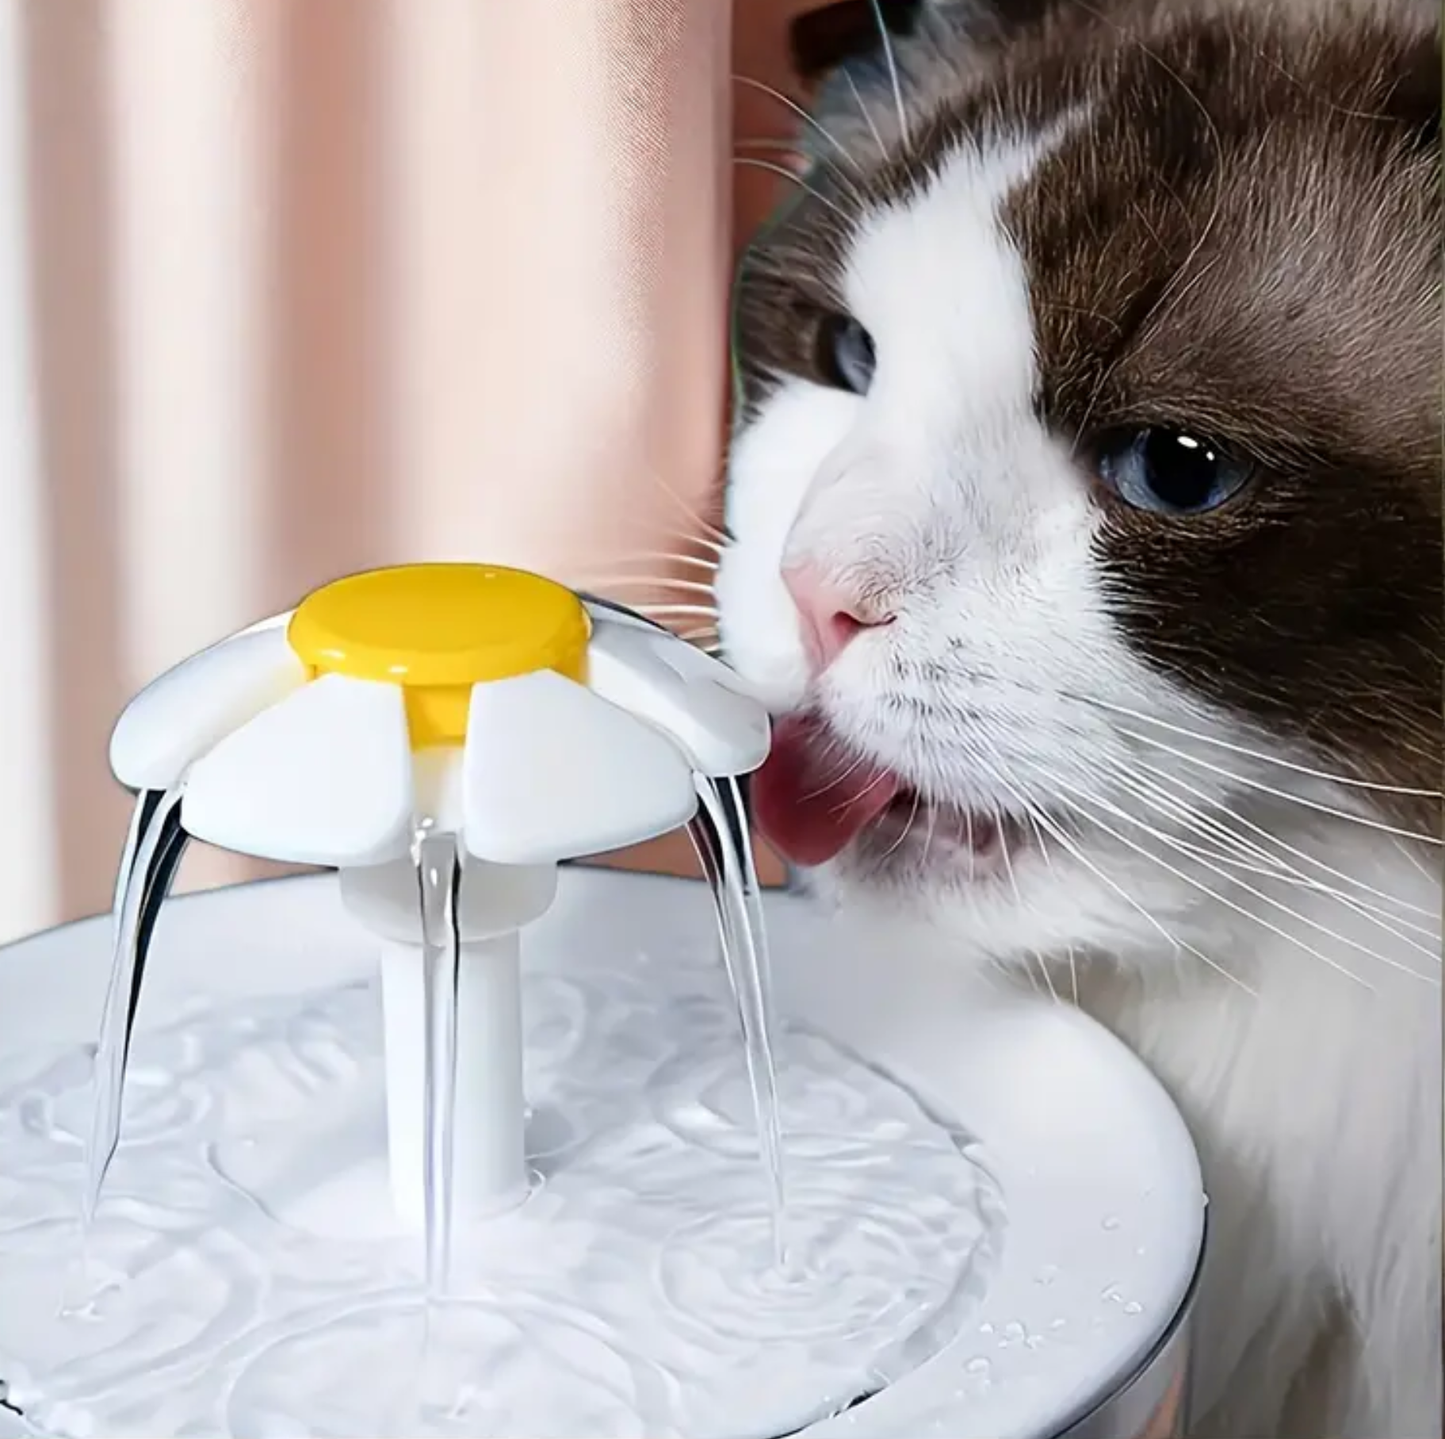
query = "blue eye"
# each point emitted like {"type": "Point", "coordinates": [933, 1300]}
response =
{"type": "Point", "coordinates": [845, 355]}
{"type": "Point", "coordinates": [1169, 472]}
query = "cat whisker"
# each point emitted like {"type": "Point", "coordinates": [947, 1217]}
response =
{"type": "Point", "coordinates": [892, 62]}
{"type": "Point", "coordinates": [1419, 866]}
{"type": "Point", "coordinates": [867, 789]}
{"type": "Point", "coordinates": [771, 145]}
{"type": "Point", "coordinates": [1215, 742]}
{"type": "Point", "coordinates": [867, 114]}
{"type": "Point", "coordinates": [907, 828]}
{"type": "Point", "coordinates": [1071, 849]}
{"type": "Point", "coordinates": [802, 114]}
{"type": "Point", "coordinates": [782, 171]}
{"type": "Point", "coordinates": [1037, 958]}
{"type": "Point", "coordinates": [836, 780]}
{"type": "Point", "coordinates": [1077, 805]}
{"type": "Point", "coordinates": [928, 835]}
{"type": "Point", "coordinates": [711, 532]}
{"type": "Point", "coordinates": [650, 583]}
{"type": "Point", "coordinates": [684, 611]}
{"type": "Point", "coordinates": [1364, 821]}
{"type": "Point", "coordinates": [1273, 868]}
{"type": "Point", "coordinates": [1012, 973]}
{"type": "Point", "coordinates": [1204, 858]}
{"type": "Point", "coordinates": [1043, 847]}
{"type": "Point", "coordinates": [1215, 803]}
{"type": "Point", "coordinates": [697, 562]}
{"type": "Point", "coordinates": [1365, 912]}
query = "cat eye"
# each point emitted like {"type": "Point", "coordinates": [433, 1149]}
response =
{"type": "Point", "coordinates": [845, 357]}
{"type": "Point", "coordinates": [1169, 471]}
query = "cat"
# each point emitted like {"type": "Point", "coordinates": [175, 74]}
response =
{"type": "Point", "coordinates": [1084, 535]}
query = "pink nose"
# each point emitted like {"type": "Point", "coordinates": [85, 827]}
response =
{"type": "Point", "coordinates": [832, 616]}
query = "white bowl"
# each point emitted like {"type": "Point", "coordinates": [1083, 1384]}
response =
{"type": "Point", "coordinates": [1099, 1178]}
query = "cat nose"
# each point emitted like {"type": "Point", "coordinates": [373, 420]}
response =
{"type": "Point", "coordinates": [832, 615]}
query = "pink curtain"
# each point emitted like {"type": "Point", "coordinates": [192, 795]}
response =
{"type": "Point", "coordinates": [294, 287]}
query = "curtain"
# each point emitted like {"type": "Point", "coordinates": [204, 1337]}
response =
{"type": "Point", "coordinates": [290, 288]}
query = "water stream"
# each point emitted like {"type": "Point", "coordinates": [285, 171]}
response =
{"type": "Point", "coordinates": [153, 851]}
{"type": "Point", "coordinates": [721, 836]}
{"type": "Point", "coordinates": [438, 877]}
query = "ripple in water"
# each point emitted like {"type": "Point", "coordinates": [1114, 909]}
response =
{"type": "Point", "coordinates": [349, 1374]}
{"type": "Point", "coordinates": [255, 1283]}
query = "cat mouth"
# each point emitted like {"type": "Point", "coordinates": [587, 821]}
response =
{"type": "Point", "coordinates": [815, 797]}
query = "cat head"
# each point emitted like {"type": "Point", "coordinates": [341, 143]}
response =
{"type": "Point", "coordinates": [1086, 477]}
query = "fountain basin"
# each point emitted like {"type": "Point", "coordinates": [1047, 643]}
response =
{"type": "Point", "coordinates": [1078, 1326]}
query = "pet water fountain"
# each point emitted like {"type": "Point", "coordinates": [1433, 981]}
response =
{"type": "Point", "coordinates": [377, 1170]}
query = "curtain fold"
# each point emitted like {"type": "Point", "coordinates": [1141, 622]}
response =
{"type": "Point", "coordinates": [295, 287]}
{"type": "Point", "coordinates": [562, 173]}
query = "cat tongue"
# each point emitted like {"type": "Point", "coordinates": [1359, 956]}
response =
{"type": "Point", "coordinates": [809, 800]}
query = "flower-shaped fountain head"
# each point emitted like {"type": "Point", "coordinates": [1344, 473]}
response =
{"type": "Point", "coordinates": [486, 710]}
{"type": "Point", "coordinates": [499, 705]}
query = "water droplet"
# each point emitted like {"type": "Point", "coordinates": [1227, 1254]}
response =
{"type": "Point", "coordinates": [1111, 1221]}
{"type": "Point", "coordinates": [1034, 1341]}
{"type": "Point", "coordinates": [985, 1328]}
{"type": "Point", "coordinates": [1058, 1323]}
{"type": "Point", "coordinates": [977, 1366]}
{"type": "Point", "coordinates": [1112, 1295]}
{"type": "Point", "coordinates": [1013, 1332]}
{"type": "Point", "coordinates": [1133, 1307]}
{"type": "Point", "coordinates": [1047, 1274]}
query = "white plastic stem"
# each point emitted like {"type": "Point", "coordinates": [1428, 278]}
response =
{"type": "Point", "coordinates": [489, 1170]}
{"type": "Point", "coordinates": [488, 1157]}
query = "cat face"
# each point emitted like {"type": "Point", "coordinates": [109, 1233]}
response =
{"type": "Point", "coordinates": [1086, 480]}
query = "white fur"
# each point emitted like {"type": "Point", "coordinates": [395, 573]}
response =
{"type": "Point", "coordinates": [1294, 1013]}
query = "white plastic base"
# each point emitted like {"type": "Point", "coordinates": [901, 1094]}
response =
{"type": "Point", "coordinates": [489, 1171]}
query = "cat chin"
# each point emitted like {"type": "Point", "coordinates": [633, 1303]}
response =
{"type": "Point", "coordinates": [1006, 916]}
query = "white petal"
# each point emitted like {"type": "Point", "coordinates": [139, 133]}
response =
{"type": "Point", "coordinates": [673, 685]}
{"type": "Point", "coordinates": [552, 772]}
{"type": "Point", "coordinates": [324, 778]}
{"type": "Point", "coordinates": [274, 622]}
{"type": "Point", "coordinates": [181, 715]}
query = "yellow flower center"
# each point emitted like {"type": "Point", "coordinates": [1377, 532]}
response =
{"type": "Point", "coordinates": [437, 630]}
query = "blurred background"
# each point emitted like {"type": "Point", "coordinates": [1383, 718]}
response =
{"type": "Point", "coordinates": [290, 288]}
